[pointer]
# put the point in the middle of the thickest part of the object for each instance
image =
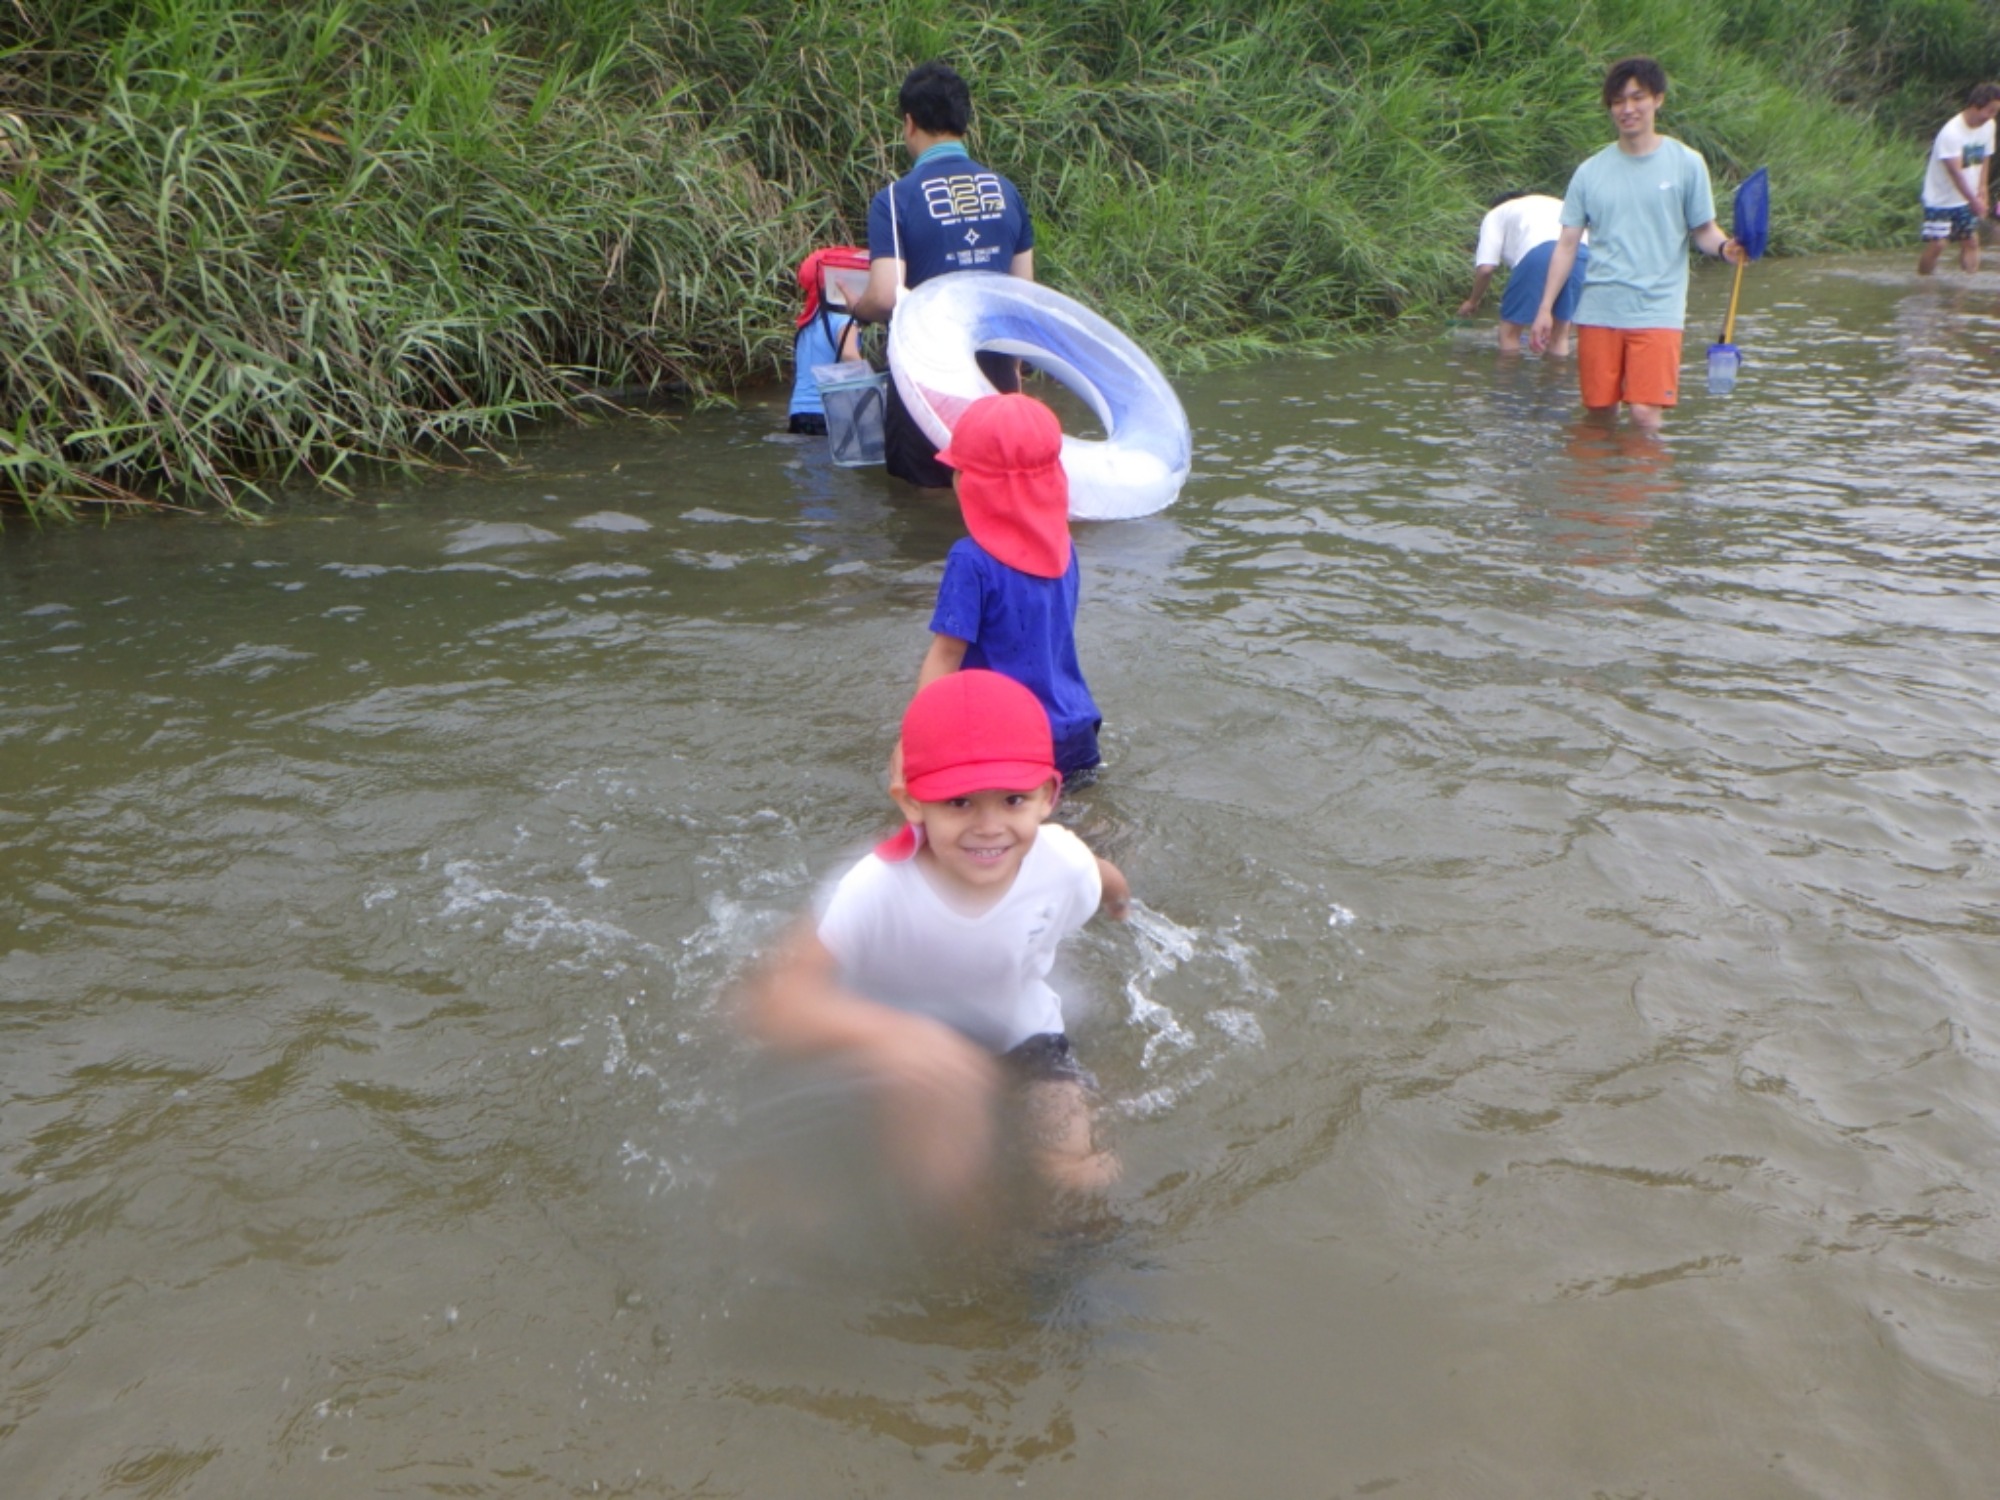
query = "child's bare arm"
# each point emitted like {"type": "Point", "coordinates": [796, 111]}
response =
{"type": "Point", "coordinates": [794, 1001]}
{"type": "Point", "coordinates": [1117, 899]}
{"type": "Point", "coordinates": [946, 656]}
{"type": "Point", "coordinates": [933, 1090]}
{"type": "Point", "coordinates": [795, 1004]}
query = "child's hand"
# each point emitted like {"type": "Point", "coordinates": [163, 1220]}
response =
{"type": "Point", "coordinates": [1116, 902]}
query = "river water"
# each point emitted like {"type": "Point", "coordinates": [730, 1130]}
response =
{"type": "Point", "coordinates": [1556, 1053]}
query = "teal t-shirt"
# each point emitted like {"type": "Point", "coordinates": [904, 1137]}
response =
{"type": "Point", "coordinates": [1639, 211]}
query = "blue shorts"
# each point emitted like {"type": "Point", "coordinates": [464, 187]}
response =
{"type": "Point", "coordinates": [1523, 297]}
{"type": "Point", "coordinates": [1076, 752]}
{"type": "Point", "coordinates": [1949, 223]}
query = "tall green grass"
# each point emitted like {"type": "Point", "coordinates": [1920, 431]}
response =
{"type": "Point", "coordinates": [246, 244]}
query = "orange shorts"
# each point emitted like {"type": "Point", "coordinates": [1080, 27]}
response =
{"type": "Point", "coordinates": [1640, 366]}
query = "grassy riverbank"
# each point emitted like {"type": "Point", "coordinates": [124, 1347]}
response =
{"type": "Point", "coordinates": [244, 245]}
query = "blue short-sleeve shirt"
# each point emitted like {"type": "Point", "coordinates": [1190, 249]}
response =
{"type": "Point", "coordinates": [818, 343]}
{"type": "Point", "coordinates": [1023, 627]}
{"type": "Point", "coordinates": [952, 214]}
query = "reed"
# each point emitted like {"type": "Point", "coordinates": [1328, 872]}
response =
{"type": "Point", "coordinates": [249, 245]}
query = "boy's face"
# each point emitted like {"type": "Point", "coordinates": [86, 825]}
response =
{"type": "Point", "coordinates": [977, 841]}
{"type": "Point", "coordinates": [1633, 109]}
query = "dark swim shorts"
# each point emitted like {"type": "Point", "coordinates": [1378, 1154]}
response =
{"type": "Point", "coordinates": [1950, 223]}
{"type": "Point", "coordinates": [908, 452]}
{"type": "Point", "coordinates": [1046, 1057]}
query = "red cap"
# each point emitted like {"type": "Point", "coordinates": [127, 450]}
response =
{"type": "Point", "coordinates": [975, 731]}
{"type": "Point", "coordinates": [1011, 484]}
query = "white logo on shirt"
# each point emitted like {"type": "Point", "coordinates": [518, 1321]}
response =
{"type": "Point", "coordinates": [964, 195]}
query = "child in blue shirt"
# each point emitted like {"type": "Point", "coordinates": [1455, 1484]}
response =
{"type": "Point", "coordinates": [1009, 594]}
{"type": "Point", "coordinates": [824, 337]}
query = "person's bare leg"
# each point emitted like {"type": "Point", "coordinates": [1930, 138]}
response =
{"type": "Point", "coordinates": [1647, 418]}
{"type": "Point", "coordinates": [1559, 340]}
{"type": "Point", "coordinates": [1968, 253]}
{"type": "Point", "coordinates": [1927, 258]}
{"type": "Point", "coordinates": [1061, 1143]}
{"type": "Point", "coordinates": [1510, 337]}
{"type": "Point", "coordinates": [938, 1130]}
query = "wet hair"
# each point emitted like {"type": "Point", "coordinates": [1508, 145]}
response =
{"type": "Point", "coordinates": [1981, 95]}
{"type": "Point", "coordinates": [1643, 71]}
{"type": "Point", "coordinates": [936, 98]}
{"type": "Point", "coordinates": [1508, 197]}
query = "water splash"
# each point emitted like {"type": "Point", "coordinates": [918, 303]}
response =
{"type": "Point", "coordinates": [1171, 955]}
{"type": "Point", "coordinates": [532, 921]}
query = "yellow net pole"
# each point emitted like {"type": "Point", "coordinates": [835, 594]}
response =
{"type": "Point", "coordinates": [1729, 323]}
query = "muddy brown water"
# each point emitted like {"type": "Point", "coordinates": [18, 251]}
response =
{"type": "Point", "coordinates": [1557, 1054]}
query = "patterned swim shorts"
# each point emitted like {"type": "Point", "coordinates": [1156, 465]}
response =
{"type": "Point", "coordinates": [1950, 223]}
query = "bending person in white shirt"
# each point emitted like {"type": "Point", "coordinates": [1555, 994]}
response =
{"type": "Point", "coordinates": [1519, 232]}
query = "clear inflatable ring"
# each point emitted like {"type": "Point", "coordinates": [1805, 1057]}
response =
{"type": "Point", "coordinates": [1141, 462]}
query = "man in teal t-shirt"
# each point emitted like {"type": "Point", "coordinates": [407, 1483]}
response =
{"type": "Point", "coordinates": [1644, 198]}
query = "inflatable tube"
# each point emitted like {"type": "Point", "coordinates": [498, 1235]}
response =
{"type": "Point", "coordinates": [1141, 462]}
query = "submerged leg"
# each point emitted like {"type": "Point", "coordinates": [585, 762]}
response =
{"type": "Point", "coordinates": [935, 1096]}
{"type": "Point", "coordinates": [1061, 1142]}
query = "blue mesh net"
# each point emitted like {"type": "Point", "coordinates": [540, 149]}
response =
{"type": "Point", "coordinates": [1752, 222]}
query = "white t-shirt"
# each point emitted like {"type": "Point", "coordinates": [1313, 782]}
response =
{"type": "Point", "coordinates": [1514, 228]}
{"type": "Point", "coordinates": [1957, 142]}
{"type": "Point", "coordinates": [899, 943]}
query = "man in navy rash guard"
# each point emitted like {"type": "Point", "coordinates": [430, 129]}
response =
{"type": "Point", "coordinates": [948, 213]}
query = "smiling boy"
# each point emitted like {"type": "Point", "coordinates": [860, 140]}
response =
{"type": "Point", "coordinates": [927, 969]}
{"type": "Point", "coordinates": [1644, 199]}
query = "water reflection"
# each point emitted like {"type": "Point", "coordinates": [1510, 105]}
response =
{"type": "Point", "coordinates": [1558, 1017]}
{"type": "Point", "coordinates": [1615, 479]}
